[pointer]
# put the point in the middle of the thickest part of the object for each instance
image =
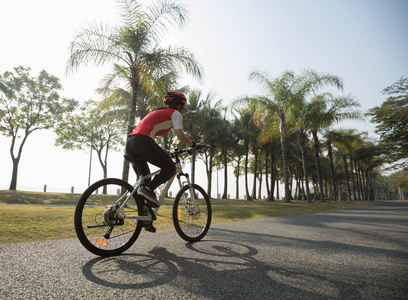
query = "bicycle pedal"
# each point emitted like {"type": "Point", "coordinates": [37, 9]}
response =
{"type": "Point", "coordinates": [150, 228]}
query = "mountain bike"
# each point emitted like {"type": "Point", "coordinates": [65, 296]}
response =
{"type": "Point", "coordinates": [110, 214]}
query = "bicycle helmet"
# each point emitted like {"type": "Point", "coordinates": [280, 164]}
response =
{"type": "Point", "coordinates": [175, 98]}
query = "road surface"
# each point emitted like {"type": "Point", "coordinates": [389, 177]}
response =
{"type": "Point", "coordinates": [359, 253]}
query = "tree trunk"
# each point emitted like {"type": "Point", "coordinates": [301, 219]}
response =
{"type": "Point", "coordinates": [273, 173]}
{"type": "Point", "coordinates": [347, 178]}
{"type": "Point", "coordinates": [193, 161]}
{"type": "Point", "coordinates": [305, 173]}
{"type": "Point", "coordinates": [284, 157]}
{"type": "Point", "coordinates": [352, 178]}
{"type": "Point", "coordinates": [131, 120]}
{"type": "Point", "coordinates": [334, 186]}
{"type": "Point", "coordinates": [359, 187]}
{"type": "Point", "coordinates": [248, 197]}
{"type": "Point", "coordinates": [266, 171]}
{"type": "Point", "coordinates": [16, 160]}
{"type": "Point", "coordinates": [371, 197]}
{"type": "Point", "coordinates": [253, 195]}
{"type": "Point", "coordinates": [319, 170]}
{"type": "Point", "coordinates": [237, 180]}
{"type": "Point", "coordinates": [104, 168]}
{"type": "Point", "coordinates": [260, 188]}
{"type": "Point", "coordinates": [209, 173]}
{"type": "Point", "coordinates": [13, 183]}
{"type": "Point", "coordinates": [225, 194]}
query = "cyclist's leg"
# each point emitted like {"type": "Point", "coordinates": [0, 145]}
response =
{"type": "Point", "coordinates": [161, 159]}
{"type": "Point", "coordinates": [146, 148]}
{"type": "Point", "coordinates": [131, 144]}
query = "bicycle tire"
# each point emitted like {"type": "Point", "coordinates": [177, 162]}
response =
{"type": "Point", "coordinates": [91, 210]}
{"type": "Point", "coordinates": [189, 226]}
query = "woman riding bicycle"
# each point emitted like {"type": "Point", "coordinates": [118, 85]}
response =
{"type": "Point", "coordinates": [141, 142]}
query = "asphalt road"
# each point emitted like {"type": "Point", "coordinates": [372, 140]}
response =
{"type": "Point", "coordinates": [351, 254]}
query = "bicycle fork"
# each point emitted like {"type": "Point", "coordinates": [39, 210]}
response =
{"type": "Point", "coordinates": [191, 208]}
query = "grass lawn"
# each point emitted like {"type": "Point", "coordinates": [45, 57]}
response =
{"type": "Point", "coordinates": [27, 221]}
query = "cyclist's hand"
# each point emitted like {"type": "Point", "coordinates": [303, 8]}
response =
{"type": "Point", "coordinates": [197, 147]}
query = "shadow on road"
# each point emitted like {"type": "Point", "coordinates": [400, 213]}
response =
{"type": "Point", "coordinates": [265, 264]}
{"type": "Point", "coordinates": [204, 269]}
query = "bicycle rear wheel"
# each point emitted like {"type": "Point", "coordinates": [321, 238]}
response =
{"type": "Point", "coordinates": [101, 227]}
{"type": "Point", "coordinates": [192, 223]}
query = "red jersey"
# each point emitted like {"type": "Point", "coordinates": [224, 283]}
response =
{"type": "Point", "coordinates": [159, 122]}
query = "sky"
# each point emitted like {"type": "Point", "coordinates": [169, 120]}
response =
{"type": "Point", "coordinates": [364, 42]}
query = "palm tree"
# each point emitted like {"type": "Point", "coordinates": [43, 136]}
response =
{"type": "Point", "coordinates": [211, 127]}
{"type": "Point", "coordinates": [332, 136]}
{"type": "Point", "coordinates": [302, 116]}
{"type": "Point", "coordinates": [369, 156]}
{"type": "Point", "coordinates": [245, 117]}
{"type": "Point", "coordinates": [133, 49]}
{"type": "Point", "coordinates": [227, 138]}
{"type": "Point", "coordinates": [345, 146]}
{"type": "Point", "coordinates": [193, 122]}
{"type": "Point", "coordinates": [328, 110]}
{"type": "Point", "coordinates": [279, 96]}
{"type": "Point", "coordinates": [254, 142]}
{"type": "Point", "coordinates": [238, 151]}
{"type": "Point", "coordinates": [268, 124]}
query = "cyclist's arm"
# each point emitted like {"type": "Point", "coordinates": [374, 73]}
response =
{"type": "Point", "coordinates": [183, 138]}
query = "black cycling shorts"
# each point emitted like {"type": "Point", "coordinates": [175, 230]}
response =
{"type": "Point", "coordinates": [148, 150]}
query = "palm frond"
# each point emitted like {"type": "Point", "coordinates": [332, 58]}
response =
{"type": "Point", "coordinates": [95, 44]}
{"type": "Point", "coordinates": [162, 14]}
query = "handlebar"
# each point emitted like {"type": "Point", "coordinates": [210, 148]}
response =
{"type": "Point", "coordinates": [176, 152]}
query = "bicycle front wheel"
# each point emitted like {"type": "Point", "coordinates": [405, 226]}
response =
{"type": "Point", "coordinates": [101, 226]}
{"type": "Point", "coordinates": [192, 213]}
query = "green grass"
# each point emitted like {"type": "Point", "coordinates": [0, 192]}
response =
{"type": "Point", "coordinates": [27, 223]}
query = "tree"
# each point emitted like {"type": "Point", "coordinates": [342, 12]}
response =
{"type": "Point", "coordinates": [268, 123]}
{"type": "Point", "coordinates": [346, 142]}
{"type": "Point", "coordinates": [392, 119]}
{"type": "Point", "coordinates": [211, 127]}
{"type": "Point", "coordinates": [400, 181]}
{"type": "Point", "coordinates": [367, 160]}
{"type": "Point", "coordinates": [92, 128]}
{"type": "Point", "coordinates": [303, 116]}
{"type": "Point", "coordinates": [279, 97]}
{"type": "Point", "coordinates": [227, 139]}
{"type": "Point", "coordinates": [328, 110]}
{"type": "Point", "coordinates": [193, 122]}
{"type": "Point", "coordinates": [332, 136]}
{"type": "Point", "coordinates": [134, 51]}
{"type": "Point", "coordinates": [28, 104]}
{"type": "Point", "coordinates": [238, 151]}
{"type": "Point", "coordinates": [247, 125]}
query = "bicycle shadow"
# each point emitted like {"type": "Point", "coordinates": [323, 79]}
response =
{"type": "Point", "coordinates": [131, 271]}
{"type": "Point", "coordinates": [160, 266]}
{"type": "Point", "coordinates": [204, 268]}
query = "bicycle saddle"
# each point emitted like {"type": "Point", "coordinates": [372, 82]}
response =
{"type": "Point", "coordinates": [130, 157]}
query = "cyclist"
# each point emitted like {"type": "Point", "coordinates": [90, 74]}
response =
{"type": "Point", "coordinates": [141, 142]}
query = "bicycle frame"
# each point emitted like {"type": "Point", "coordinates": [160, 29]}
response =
{"type": "Point", "coordinates": [179, 173]}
